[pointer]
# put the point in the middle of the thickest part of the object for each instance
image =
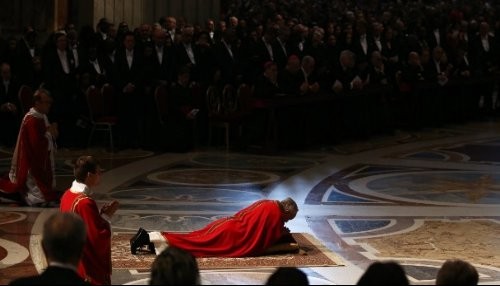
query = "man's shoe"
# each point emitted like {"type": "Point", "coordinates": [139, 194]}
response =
{"type": "Point", "coordinates": [151, 248]}
{"type": "Point", "coordinates": [140, 239]}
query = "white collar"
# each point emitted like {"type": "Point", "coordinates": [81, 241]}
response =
{"type": "Point", "coordinates": [33, 112]}
{"type": "Point", "coordinates": [78, 187]}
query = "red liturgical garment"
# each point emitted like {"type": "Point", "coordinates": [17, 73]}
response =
{"type": "Point", "coordinates": [31, 157]}
{"type": "Point", "coordinates": [247, 233]}
{"type": "Point", "coordinates": [95, 264]}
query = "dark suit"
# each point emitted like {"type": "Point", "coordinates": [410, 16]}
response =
{"type": "Point", "coordinates": [362, 58]}
{"type": "Point", "coordinates": [281, 52]}
{"type": "Point", "coordinates": [263, 53]}
{"type": "Point", "coordinates": [53, 275]}
{"type": "Point", "coordinates": [182, 59]}
{"type": "Point", "coordinates": [432, 40]}
{"type": "Point", "coordinates": [181, 102]}
{"type": "Point", "coordinates": [226, 62]}
{"type": "Point", "coordinates": [96, 77]}
{"type": "Point", "coordinates": [9, 121]}
{"type": "Point", "coordinates": [22, 65]}
{"type": "Point", "coordinates": [63, 86]}
{"type": "Point", "coordinates": [162, 70]}
{"type": "Point", "coordinates": [132, 103]}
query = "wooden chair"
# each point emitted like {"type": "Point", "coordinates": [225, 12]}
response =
{"type": "Point", "coordinates": [228, 109]}
{"type": "Point", "coordinates": [108, 95]}
{"type": "Point", "coordinates": [161, 103]}
{"type": "Point", "coordinates": [25, 96]}
{"type": "Point", "coordinates": [100, 119]}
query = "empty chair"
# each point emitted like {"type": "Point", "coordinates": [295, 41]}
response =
{"type": "Point", "coordinates": [161, 103]}
{"type": "Point", "coordinates": [228, 109]}
{"type": "Point", "coordinates": [100, 118]}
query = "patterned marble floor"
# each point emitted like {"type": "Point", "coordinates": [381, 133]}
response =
{"type": "Point", "coordinates": [418, 198]}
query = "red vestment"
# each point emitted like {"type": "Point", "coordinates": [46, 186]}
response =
{"type": "Point", "coordinates": [247, 233]}
{"type": "Point", "coordinates": [32, 155]}
{"type": "Point", "coordinates": [95, 264]}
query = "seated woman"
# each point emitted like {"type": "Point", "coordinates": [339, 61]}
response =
{"type": "Point", "coordinates": [249, 232]}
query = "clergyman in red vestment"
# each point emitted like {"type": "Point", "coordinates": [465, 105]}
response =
{"type": "Point", "coordinates": [95, 263]}
{"type": "Point", "coordinates": [247, 233]}
{"type": "Point", "coordinates": [32, 169]}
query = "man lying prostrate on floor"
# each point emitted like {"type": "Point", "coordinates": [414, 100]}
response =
{"type": "Point", "coordinates": [249, 232]}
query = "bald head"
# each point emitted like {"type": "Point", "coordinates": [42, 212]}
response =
{"type": "Point", "coordinates": [289, 209]}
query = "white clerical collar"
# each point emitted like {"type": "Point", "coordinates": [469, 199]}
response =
{"type": "Point", "coordinates": [78, 187]}
{"type": "Point", "coordinates": [36, 113]}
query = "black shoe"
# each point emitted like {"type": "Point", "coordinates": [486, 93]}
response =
{"type": "Point", "coordinates": [140, 239]}
{"type": "Point", "coordinates": [151, 248]}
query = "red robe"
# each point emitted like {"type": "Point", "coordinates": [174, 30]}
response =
{"type": "Point", "coordinates": [247, 233]}
{"type": "Point", "coordinates": [95, 264]}
{"type": "Point", "coordinates": [32, 155]}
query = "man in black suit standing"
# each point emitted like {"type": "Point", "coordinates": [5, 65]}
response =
{"type": "Point", "coordinates": [129, 81]}
{"type": "Point", "coordinates": [27, 49]}
{"type": "Point", "coordinates": [61, 80]}
{"type": "Point", "coordinates": [186, 53]}
{"type": "Point", "coordinates": [162, 59]}
{"type": "Point", "coordinates": [64, 235]}
{"type": "Point", "coordinates": [9, 106]}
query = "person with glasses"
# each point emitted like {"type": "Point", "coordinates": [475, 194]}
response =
{"type": "Point", "coordinates": [95, 263]}
{"type": "Point", "coordinates": [32, 174]}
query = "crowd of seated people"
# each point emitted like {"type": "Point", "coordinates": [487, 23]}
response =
{"type": "Point", "coordinates": [375, 66]}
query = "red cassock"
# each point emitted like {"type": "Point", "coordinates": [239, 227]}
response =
{"type": "Point", "coordinates": [95, 264]}
{"type": "Point", "coordinates": [32, 156]}
{"type": "Point", "coordinates": [247, 233]}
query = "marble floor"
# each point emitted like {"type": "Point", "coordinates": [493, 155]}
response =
{"type": "Point", "coordinates": [415, 197]}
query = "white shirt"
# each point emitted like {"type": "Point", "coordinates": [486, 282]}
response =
{"type": "Point", "coordinates": [64, 60]}
{"type": "Point", "coordinates": [438, 66]}
{"type": "Point", "coordinates": [282, 45]}
{"type": "Point", "coordinates": [378, 43]}
{"type": "Point", "coordinates": [189, 51]}
{"type": "Point", "coordinates": [172, 35]}
{"type": "Point", "coordinates": [466, 60]}
{"type": "Point", "coordinates": [269, 49]}
{"type": "Point", "coordinates": [130, 57]}
{"type": "Point", "coordinates": [112, 56]}
{"type": "Point", "coordinates": [159, 53]}
{"type": "Point", "coordinates": [485, 43]}
{"type": "Point", "coordinates": [438, 37]}
{"type": "Point", "coordinates": [228, 48]}
{"type": "Point", "coordinates": [364, 44]}
{"type": "Point", "coordinates": [75, 56]}
{"type": "Point", "coordinates": [96, 66]}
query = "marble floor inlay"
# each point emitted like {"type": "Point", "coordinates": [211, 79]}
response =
{"type": "Point", "coordinates": [418, 198]}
